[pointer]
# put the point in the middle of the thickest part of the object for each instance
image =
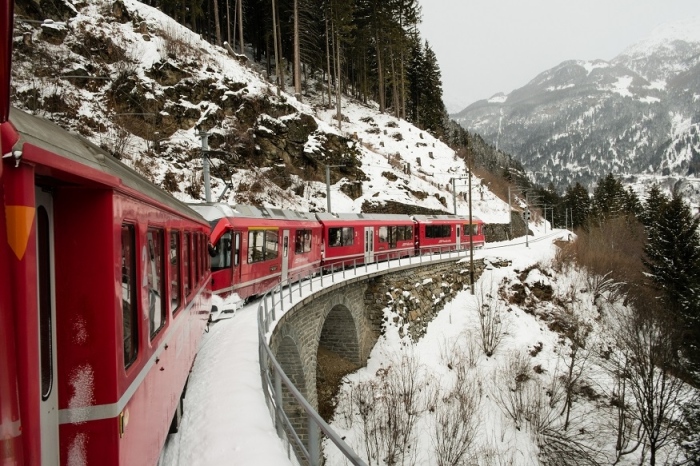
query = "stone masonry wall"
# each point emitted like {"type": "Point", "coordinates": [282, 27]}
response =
{"type": "Point", "coordinates": [415, 296]}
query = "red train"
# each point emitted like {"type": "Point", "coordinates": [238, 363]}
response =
{"type": "Point", "coordinates": [104, 296]}
{"type": "Point", "coordinates": [255, 249]}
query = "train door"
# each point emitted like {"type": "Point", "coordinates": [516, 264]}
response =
{"type": "Point", "coordinates": [285, 256]}
{"type": "Point", "coordinates": [459, 237]}
{"type": "Point", "coordinates": [47, 328]}
{"type": "Point", "coordinates": [236, 276]}
{"type": "Point", "coordinates": [369, 244]}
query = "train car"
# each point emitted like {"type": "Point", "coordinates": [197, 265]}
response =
{"type": "Point", "coordinates": [436, 233]}
{"type": "Point", "coordinates": [257, 248]}
{"type": "Point", "coordinates": [364, 238]}
{"type": "Point", "coordinates": [104, 298]}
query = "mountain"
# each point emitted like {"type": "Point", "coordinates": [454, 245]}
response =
{"type": "Point", "coordinates": [143, 87]}
{"type": "Point", "coordinates": [638, 114]}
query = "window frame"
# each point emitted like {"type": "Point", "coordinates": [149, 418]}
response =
{"type": "Point", "coordinates": [174, 271]}
{"type": "Point", "coordinates": [129, 359]}
{"type": "Point", "coordinates": [156, 266]}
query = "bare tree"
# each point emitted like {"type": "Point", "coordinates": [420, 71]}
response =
{"type": "Point", "coordinates": [490, 310]}
{"type": "Point", "coordinates": [388, 408]}
{"type": "Point", "coordinates": [576, 363]}
{"type": "Point", "coordinates": [456, 420]}
{"type": "Point", "coordinates": [645, 357]}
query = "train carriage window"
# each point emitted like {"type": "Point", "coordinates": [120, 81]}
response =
{"type": "Point", "coordinates": [263, 245]}
{"type": "Point", "coordinates": [407, 233]}
{"type": "Point", "coordinates": [223, 250]}
{"type": "Point", "coordinates": [128, 282]}
{"type": "Point", "coordinates": [302, 242]}
{"type": "Point", "coordinates": [383, 234]}
{"type": "Point", "coordinates": [186, 264]}
{"type": "Point", "coordinates": [203, 253]}
{"type": "Point", "coordinates": [174, 270]}
{"type": "Point", "coordinates": [475, 229]}
{"type": "Point", "coordinates": [195, 258]}
{"type": "Point", "coordinates": [437, 231]}
{"type": "Point", "coordinates": [341, 236]}
{"type": "Point", "coordinates": [236, 248]}
{"type": "Point", "coordinates": [393, 236]}
{"type": "Point", "coordinates": [43, 233]}
{"type": "Point", "coordinates": [156, 287]}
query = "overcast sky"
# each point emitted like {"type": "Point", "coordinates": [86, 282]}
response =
{"type": "Point", "coordinates": [489, 46]}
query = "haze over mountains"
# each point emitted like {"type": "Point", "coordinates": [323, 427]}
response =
{"type": "Point", "coordinates": [637, 114]}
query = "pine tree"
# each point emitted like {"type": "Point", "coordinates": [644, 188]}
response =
{"type": "Point", "coordinates": [672, 259]}
{"type": "Point", "coordinates": [578, 202]}
{"type": "Point", "coordinates": [609, 198]}
{"type": "Point", "coordinates": [654, 206]}
{"type": "Point", "coordinates": [432, 109]}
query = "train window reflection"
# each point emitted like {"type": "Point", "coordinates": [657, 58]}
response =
{"type": "Point", "coordinates": [302, 242]}
{"type": "Point", "coordinates": [341, 236]}
{"type": "Point", "coordinates": [263, 245]}
{"type": "Point", "coordinates": [222, 257]}
{"type": "Point", "coordinates": [174, 270]}
{"type": "Point", "coordinates": [129, 306]}
{"type": "Point", "coordinates": [437, 231]}
{"type": "Point", "coordinates": [154, 274]}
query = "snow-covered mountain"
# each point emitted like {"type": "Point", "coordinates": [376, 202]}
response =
{"type": "Point", "coordinates": [140, 85]}
{"type": "Point", "coordinates": [636, 114]}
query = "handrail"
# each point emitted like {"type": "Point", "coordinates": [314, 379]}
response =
{"type": "Point", "coordinates": [273, 377]}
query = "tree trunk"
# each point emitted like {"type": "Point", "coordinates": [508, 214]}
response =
{"type": "Point", "coordinates": [217, 23]}
{"type": "Point", "coordinates": [394, 86]}
{"type": "Point", "coordinates": [328, 62]}
{"type": "Point", "coordinates": [278, 67]}
{"type": "Point", "coordinates": [297, 57]}
{"type": "Point", "coordinates": [240, 26]}
{"type": "Point", "coordinates": [403, 85]}
{"type": "Point", "coordinates": [228, 22]}
{"type": "Point", "coordinates": [338, 82]}
{"type": "Point", "coordinates": [281, 56]}
{"type": "Point", "coordinates": [380, 73]}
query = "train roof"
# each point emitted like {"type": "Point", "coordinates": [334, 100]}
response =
{"type": "Point", "coordinates": [213, 211]}
{"type": "Point", "coordinates": [386, 217]}
{"type": "Point", "coordinates": [430, 218]}
{"type": "Point", "coordinates": [48, 136]}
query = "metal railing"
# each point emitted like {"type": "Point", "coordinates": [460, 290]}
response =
{"type": "Point", "coordinates": [282, 298]}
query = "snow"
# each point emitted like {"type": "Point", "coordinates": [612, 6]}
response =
{"type": "Point", "coordinates": [226, 420]}
{"type": "Point", "coordinates": [498, 99]}
{"type": "Point", "coordinates": [592, 65]}
{"type": "Point", "coordinates": [622, 85]}
{"type": "Point", "coordinates": [687, 30]}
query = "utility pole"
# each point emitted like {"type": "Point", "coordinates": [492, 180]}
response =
{"type": "Point", "coordinates": [527, 226]}
{"type": "Point", "coordinates": [454, 192]}
{"type": "Point", "coordinates": [471, 230]}
{"type": "Point", "coordinates": [527, 223]}
{"type": "Point", "coordinates": [328, 186]}
{"type": "Point", "coordinates": [205, 164]}
{"type": "Point", "coordinates": [510, 214]}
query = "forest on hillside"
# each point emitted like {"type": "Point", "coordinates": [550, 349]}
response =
{"type": "Point", "coordinates": [367, 49]}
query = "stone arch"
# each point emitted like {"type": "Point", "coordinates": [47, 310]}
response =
{"type": "Point", "coordinates": [338, 354]}
{"type": "Point", "coordinates": [340, 334]}
{"type": "Point", "coordinates": [289, 358]}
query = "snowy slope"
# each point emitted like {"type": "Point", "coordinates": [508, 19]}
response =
{"type": "Point", "coordinates": [165, 79]}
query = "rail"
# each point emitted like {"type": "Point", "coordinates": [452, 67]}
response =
{"type": "Point", "coordinates": [272, 306]}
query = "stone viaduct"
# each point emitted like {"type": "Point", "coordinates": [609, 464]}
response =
{"type": "Point", "coordinates": [346, 318]}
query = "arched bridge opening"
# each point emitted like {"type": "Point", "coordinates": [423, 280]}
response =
{"type": "Point", "coordinates": [338, 354]}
